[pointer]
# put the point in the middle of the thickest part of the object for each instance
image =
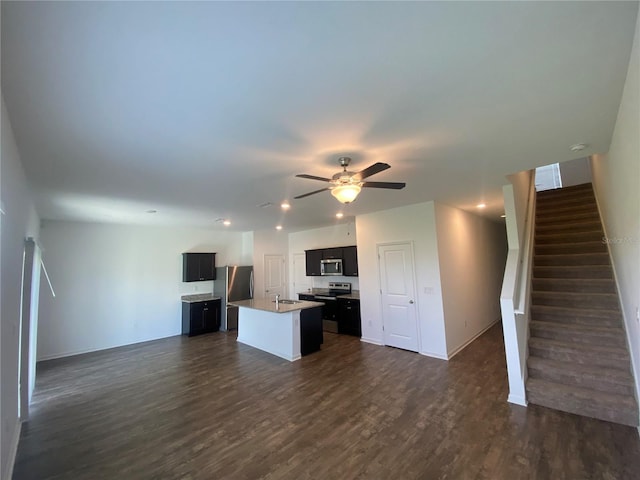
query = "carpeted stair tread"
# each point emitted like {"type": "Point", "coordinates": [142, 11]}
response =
{"type": "Point", "coordinates": [612, 336]}
{"type": "Point", "coordinates": [595, 235]}
{"type": "Point", "coordinates": [570, 204]}
{"type": "Point", "coordinates": [570, 217]}
{"type": "Point", "coordinates": [594, 246]}
{"type": "Point", "coordinates": [577, 285]}
{"type": "Point", "coordinates": [581, 401]}
{"type": "Point", "coordinates": [612, 318]}
{"type": "Point", "coordinates": [585, 376]}
{"type": "Point", "coordinates": [596, 355]}
{"type": "Point", "coordinates": [574, 271]}
{"type": "Point", "coordinates": [572, 259]}
{"type": "Point", "coordinates": [594, 301]}
{"type": "Point", "coordinates": [572, 227]}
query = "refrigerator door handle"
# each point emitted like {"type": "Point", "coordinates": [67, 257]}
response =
{"type": "Point", "coordinates": [251, 284]}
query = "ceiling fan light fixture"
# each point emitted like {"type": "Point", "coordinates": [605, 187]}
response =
{"type": "Point", "coordinates": [346, 193]}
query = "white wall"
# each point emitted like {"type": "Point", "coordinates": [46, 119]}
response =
{"type": "Point", "coordinates": [268, 242]}
{"type": "Point", "coordinates": [339, 235]}
{"type": "Point", "coordinates": [575, 172]}
{"type": "Point", "coordinates": [472, 252]}
{"type": "Point", "coordinates": [118, 284]}
{"type": "Point", "coordinates": [18, 222]}
{"type": "Point", "coordinates": [416, 224]}
{"type": "Point", "coordinates": [616, 177]}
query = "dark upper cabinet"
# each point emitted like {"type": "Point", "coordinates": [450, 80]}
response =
{"type": "Point", "coordinates": [349, 256]}
{"type": "Point", "coordinates": [200, 317]}
{"type": "Point", "coordinates": [329, 253]}
{"type": "Point", "coordinates": [197, 267]}
{"type": "Point", "coordinates": [313, 258]}
{"type": "Point", "coordinates": [350, 261]}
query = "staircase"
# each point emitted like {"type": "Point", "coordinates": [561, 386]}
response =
{"type": "Point", "coordinates": [578, 358]}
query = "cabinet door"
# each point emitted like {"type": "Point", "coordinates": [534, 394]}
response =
{"type": "Point", "coordinates": [197, 267]}
{"type": "Point", "coordinates": [196, 324]}
{"type": "Point", "coordinates": [208, 317]}
{"type": "Point", "coordinates": [350, 261]}
{"type": "Point", "coordinates": [349, 317]}
{"type": "Point", "coordinates": [207, 266]}
{"type": "Point", "coordinates": [313, 258]}
{"type": "Point", "coordinates": [311, 336]}
{"type": "Point", "coordinates": [330, 253]}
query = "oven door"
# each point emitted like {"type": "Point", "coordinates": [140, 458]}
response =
{"type": "Point", "coordinates": [329, 313]}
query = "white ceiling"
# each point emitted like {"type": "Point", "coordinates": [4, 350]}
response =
{"type": "Point", "coordinates": [207, 110]}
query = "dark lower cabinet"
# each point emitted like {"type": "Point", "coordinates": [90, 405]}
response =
{"type": "Point", "coordinates": [348, 316]}
{"type": "Point", "coordinates": [310, 330]}
{"type": "Point", "coordinates": [200, 317]}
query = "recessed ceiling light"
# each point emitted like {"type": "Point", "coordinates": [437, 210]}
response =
{"type": "Point", "coordinates": [503, 216]}
{"type": "Point", "coordinates": [226, 222]}
{"type": "Point", "coordinates": [339, 215]}
{"type": "Point", "coordinates": [278, 227]}
{"type": "Point", "coordinates": [577, 147]}
{"type": "Point", "coordinates": [481, 205]}
{"type": "Point", "coordinates": [152, 211]}
{"type": "Point", "coordinates": [285, 205]}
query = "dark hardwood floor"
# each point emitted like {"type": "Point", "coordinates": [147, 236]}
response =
{"type": "Point", "coordinates": [209, 408]}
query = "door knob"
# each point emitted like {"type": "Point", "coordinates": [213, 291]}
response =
{"type": "Point", "coordinates": [411, 302]}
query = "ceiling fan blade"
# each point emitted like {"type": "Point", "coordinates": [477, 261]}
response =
{"type": "Point", "coordinates": [371, 170]}
{"type": "Point", "coordinates": [392, 185]}
{"type": "Point", "coordinates": [313, 177]}
{"type": "Point", "coordinates": [311, 193]}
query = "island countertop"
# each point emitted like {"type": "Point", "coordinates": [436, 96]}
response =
{"type": "Point", "coordinates": [268, 305]}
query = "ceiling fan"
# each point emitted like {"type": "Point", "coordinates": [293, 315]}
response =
{"type": "Point", "coordinates": [346, 186]}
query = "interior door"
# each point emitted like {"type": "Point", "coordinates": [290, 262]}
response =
{"type": "Point", "coordinates": [300, 280]}
{"type": "Point", "coordinates": [397, 287]}
{"type": "Point", "coordinates": [274, 276]}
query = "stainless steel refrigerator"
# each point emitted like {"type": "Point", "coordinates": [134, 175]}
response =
{"type": "Point", "coordinates": [232, 283]}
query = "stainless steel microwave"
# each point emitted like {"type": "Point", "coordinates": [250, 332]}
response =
{"type": "Point", "coordinates": [331, 266]}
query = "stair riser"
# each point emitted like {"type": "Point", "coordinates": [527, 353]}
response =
{"type": "Point", "coordinates": [576, 300]}
{"type": "Point", "coordinates": [571, 248]}
{"type": "Point", "coordinates": [572, 260]}
{"type": "Point", "coordinates": [619, 361]}
{"type": "Point", "coordinates": [588, 410]}
{"type": "Point", "coordinates": [608, 319]}
{"type": "Point", "coordinates": [603, 272]}
{"type": "Point", "coordinates": [570, 237]}
{"type": "Point", "coordinates": [598, 383]}
{"type": "Point", "coordinates": [582, 338]}
{"type": "Point", "coordinates": [578, 285]}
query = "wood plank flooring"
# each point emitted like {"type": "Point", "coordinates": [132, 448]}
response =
{"type": "Point", "coordinates": [209, 408]}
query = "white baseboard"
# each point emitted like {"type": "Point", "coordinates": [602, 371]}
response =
{"type": "Point", "coordinates": [517, 399]}
{"type": "Point", "coordinates": [434, 355]}
{"type": "Point", "coordinates": [372, 341]}
{"type": "Point", "coordinates": [13, 450]}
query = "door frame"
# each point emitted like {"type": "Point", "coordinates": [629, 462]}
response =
{"type": "Point", "coordinates": [410, 243]}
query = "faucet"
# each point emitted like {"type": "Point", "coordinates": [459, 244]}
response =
{"type": "Point", "coordinates": [277, 300]}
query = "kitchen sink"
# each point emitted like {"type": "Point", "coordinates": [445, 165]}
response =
{"type": "Point", "coordinates": [288, 302]}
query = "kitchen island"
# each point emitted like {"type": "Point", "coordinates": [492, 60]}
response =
{"type": "Point", "coordinates": [288, 329]}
